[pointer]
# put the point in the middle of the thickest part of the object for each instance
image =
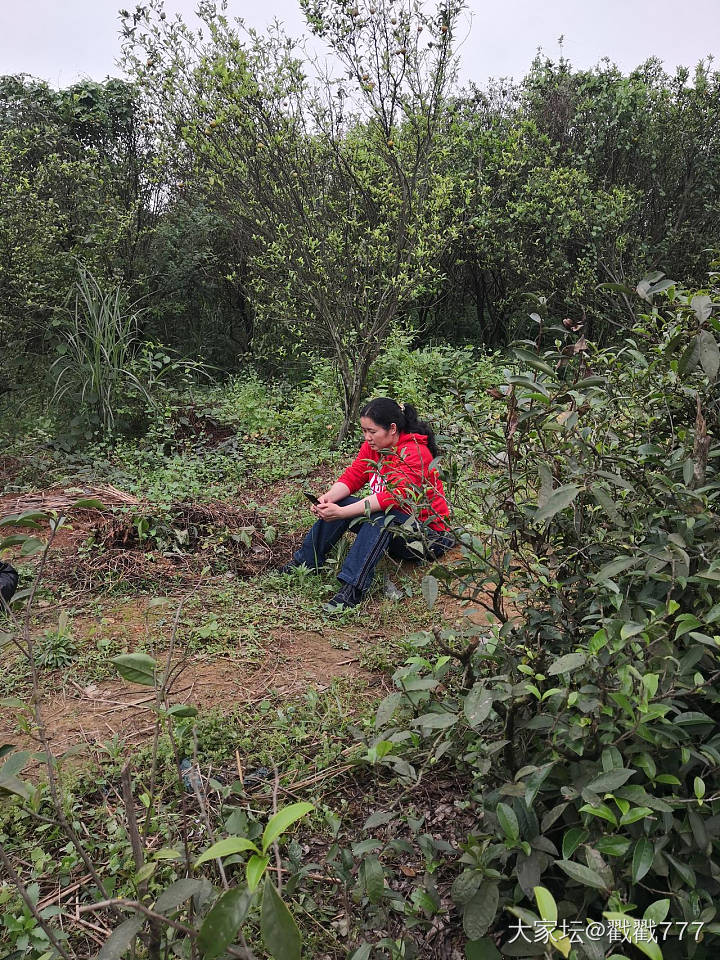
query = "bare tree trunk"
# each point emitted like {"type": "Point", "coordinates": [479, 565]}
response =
{"type": "Point", "coordinates": [352, 393]}
{"type": "Point", "coordinates": [352, 406]}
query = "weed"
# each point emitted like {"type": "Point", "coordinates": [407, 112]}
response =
{"type": "Point", "coordinates": [58, 647]}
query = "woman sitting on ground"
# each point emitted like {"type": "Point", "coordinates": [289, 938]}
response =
{"type": "Point", "coordinates": [395, 460]}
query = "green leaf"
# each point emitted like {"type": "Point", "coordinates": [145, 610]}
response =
{"type": "Point", "coordinates": [567, 664]}
{"type": "Point", "coordinates": [478, 704]}
{"type": "Point", "coordinates": [29, 518]}
{"type": "Point", "coordinates": [480, 912]}
{"type": "Point", "coordinates": [699, 788]}
{"type": "Point", "coordinates": [607, 782]}
{"type": "Point", "coordinates": [414, 684]}
{"type": "Point", "coordinates": [613, 846]}
{"type": "Point", "coordinates": [635, 814]}
{"type": "Point", "coordinates": [378, 819]}
{"type": "Point", "coordinates": [226, 847]}
{"type": "Point", "coordinates": [254, 871]}
{"type": "Point", "coordinates": [387, 708]}
{"type": "Point", "coordinates": [558, 500]}
{"type": "Point", "coordinates": [158, 602]}
{"type": "Point", "coordinates": [30, 546]}
{"type": "Point", "coordinates": [366, 846]}
{"type": "Point", "coordinates": [283, 819]}
{"type": "Point", "coordinates": [691, 357]}
{"type": "Point", "coordinates": [179, 710]}
{"type": "Point", "coordinates": [509, 824]}
{"type": "Point", "coordinates": [167, 853]}
{"type": "Point", "coordinates": [535, 781]}
{"type": "Point", "coordinates": [657, 911]}
{"type": "Point", "coordinates": [18, 788]}
{"type": "Point", "coordinates": [222, 923]}
{"type": "Point", "coordinates": [466, 886]}
{"type": "Point", "coordinates": [546, 483]}
{"type": "Point", "coordinates": [584, 875]}
{"type": "Point", "coordinates": [685, 872]}
{"type": "Point", "coordinates": [89, 503]}
{"type": "Point", "coordinates": [650, 948]}
{"type": "Point", "coordinates": [702, 305]}
{"type": "Point", "coordinates": [482, 950]}
{"type": "Point", "coordinates": [176, 894]}
{"type": "Point", "coordinates": [572, 840]}
{"type": "Point", "coordinates": [14, 764]}
{"type": "Point", "coordinates": [643, 856]}
{"type": "Point", "coordinates": [435, 721]}
{"type": "Point", "coordinates": [546, 904]}
{"type": "Point", "coordinates": [9, 783]}
{"type": "Point", "coordinates": [374, 879]}
{"type": "Point", "coordinates": [612, 569]}
{"type": "Point", "coordinates": [429, 587]}
{"type": "Point", "coordinates": [279, 931]}
{"type": "Point", "coordinates": [600, 810]}
{"type": "Point", "coordinates": [604, 500]}
{"type": "Point", "coordinates": [532, 360]}
{"type": "Point", "coordinates": [591, 382]}
{"type": "Point", "coordinates": [136, 668]}
{"type": "Point", "coordinates": [121, 939]}
{"type": "Point", "coordinates": [145, 872]}
{"type": "Point", "coordinates": [362, 953]}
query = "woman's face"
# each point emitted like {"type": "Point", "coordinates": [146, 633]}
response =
{"type": "Point", "coordinates": [378, 437]}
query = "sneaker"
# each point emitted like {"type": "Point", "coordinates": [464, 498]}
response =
{"type": "Point", "coordinates": [346, 598]}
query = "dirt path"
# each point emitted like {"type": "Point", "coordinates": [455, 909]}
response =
{"type": "Point", "coordinates": [91, 715]}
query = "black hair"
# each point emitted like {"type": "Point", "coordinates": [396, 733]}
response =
{"type": "Point", "coordinates": [385, 412]}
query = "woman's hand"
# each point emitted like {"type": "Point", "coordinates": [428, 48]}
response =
{"type": "Point", "coordinates": [329, 511]}
{"type": "Point", "coordinates": [322, 499]}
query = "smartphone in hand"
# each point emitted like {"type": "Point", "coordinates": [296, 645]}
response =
{"type": "Point", "coordinates": [312, 498]}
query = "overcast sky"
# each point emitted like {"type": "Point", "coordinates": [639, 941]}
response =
{"type": "Point", "coordinates": [64, 40]}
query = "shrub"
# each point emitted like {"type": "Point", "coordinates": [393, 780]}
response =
{"type": "Point", "coordinates": [432, 378]}
{"type": "Point", "coordinates": [250, 402]}
{"type": "Point", "coordinates": [584, 717]}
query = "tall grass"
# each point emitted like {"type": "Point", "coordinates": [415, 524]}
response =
{"type": "Point", "coordinates": [100, 341]}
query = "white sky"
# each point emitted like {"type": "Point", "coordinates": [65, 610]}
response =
{"type": "Point", "coordinates": [64, 40]}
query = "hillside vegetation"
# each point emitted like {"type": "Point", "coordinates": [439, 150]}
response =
{"type": "Point", "coordinates": [205, 270]}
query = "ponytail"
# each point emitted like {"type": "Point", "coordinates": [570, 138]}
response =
{"type": "Point", "coordinates": [385, 412]}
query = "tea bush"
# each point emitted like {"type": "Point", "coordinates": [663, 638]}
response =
{"type": "Point", "coordinates": [584, 714]}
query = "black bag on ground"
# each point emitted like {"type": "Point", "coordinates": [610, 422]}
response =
{"type": "Point", "coordinates": [8, 581]}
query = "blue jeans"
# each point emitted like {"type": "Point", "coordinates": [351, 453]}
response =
{"type": "Point", "coordinates": [373, 537]}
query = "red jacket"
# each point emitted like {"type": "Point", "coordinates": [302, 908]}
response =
{"type": "Point", "coordinates": [401, 480]}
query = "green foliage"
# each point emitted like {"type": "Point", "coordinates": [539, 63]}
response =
{"type": "Point", "coordinates": [584, 713]}
{"type": "Point", "coordinates": [99, 342]}
{"type": "Point", "coordinates": [103, 372]}
{"type": "Point", "coordinates": [311, 233]}
{"type": "Point", "coordinates": [437, 380]}
{"type": "Point", "coordinates": [252, 403]}
{"type": "Point", "coordinates": [341, 264]}
{"type": "Point", "coordinates": [57, 648]}
{"type": "Point", "coordinates": [440, 209]}
{"type": "Point", "coordinates": [72, 187]}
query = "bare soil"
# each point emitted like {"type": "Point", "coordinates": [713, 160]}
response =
{"type": "Point", "coordinates": [80, 714]}
{"type": "Point", "coordinates": [92, 714]}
